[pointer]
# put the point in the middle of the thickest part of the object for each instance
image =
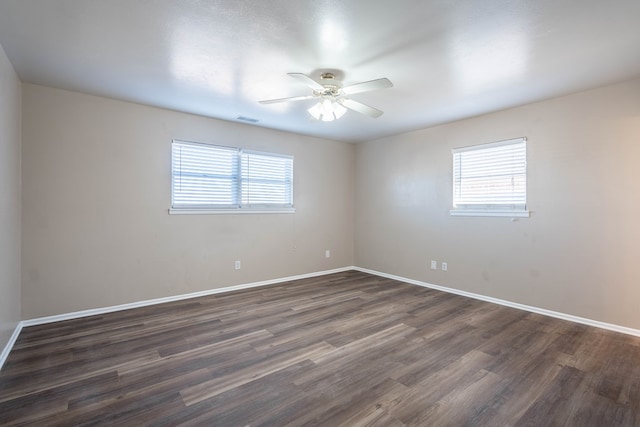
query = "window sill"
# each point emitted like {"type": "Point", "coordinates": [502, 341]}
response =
{"type": "Point", "coordinates": [487, 212]}
{"type": "Point", "coordinates": [230, 211]}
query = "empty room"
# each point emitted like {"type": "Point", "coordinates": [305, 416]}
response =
{"type": "Point", "coordinates": [332, 213]}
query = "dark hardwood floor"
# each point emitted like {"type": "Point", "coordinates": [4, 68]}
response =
{"type": "Point", "coordinates": [344, 349]}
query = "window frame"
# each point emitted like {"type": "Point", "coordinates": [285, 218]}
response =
{"type": "Point", "coordinates": [238, 207]}
{"type": "Point", "coordinates": [490, 208]}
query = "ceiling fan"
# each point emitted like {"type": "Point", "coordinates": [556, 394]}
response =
{"type": "Point", "coordinates": [332, 97]}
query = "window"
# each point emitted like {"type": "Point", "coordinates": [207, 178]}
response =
{"type": "Point", "coordinates": [208, 178]}
{"type": "Point", "coordinates": [491, 179]}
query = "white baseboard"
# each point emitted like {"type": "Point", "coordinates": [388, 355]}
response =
{"type": "Point", "coordinates": [9, 346]}
{"type": "Point", "coordinates": [104, 310]}
{"type": "Point", "coordinates": [556, 314]}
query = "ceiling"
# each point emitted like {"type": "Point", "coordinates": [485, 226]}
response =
{"type": "Point", "coordinates": [448, 59]}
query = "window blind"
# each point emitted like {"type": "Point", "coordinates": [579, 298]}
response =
{"type": "Point", "coordinates": [267, 179]}
{"type": "Point", "coordinates": [491, 176]}
{"type": "Point", "coordinates": [208, 176]}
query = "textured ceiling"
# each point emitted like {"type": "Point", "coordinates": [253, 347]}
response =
{"type": "Point", "coordinates": [447, 59]}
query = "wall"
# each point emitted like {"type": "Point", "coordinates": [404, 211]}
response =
{"type": "Point", "coordinates": [96, 193]}
{"type": "Point", "coordinates": [10, 109]}
{"type": "Point", "coordinates": [579, 251]}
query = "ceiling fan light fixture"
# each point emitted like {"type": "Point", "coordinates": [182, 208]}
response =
{"type": "Point", "coordinates": [338, 110]}
{"type": "Point", "coordinates": [315, 111]}
{"type": "Point", "coordinates": [327, 110]}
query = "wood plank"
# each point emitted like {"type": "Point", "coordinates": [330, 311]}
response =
{"type": "Point", "coordinates": [212, 388]}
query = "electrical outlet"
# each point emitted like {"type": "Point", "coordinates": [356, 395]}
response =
{"type": "Point", "coordinates": [238, 265]}
{"type": "Point", "coordinates": [444, 266]}
{"type": "Point", "coordinates": [434, 265]}
{"type": "Point", "coordinates": [327, 253]}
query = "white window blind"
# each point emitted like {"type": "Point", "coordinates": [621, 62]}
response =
{"type": "Point", "coordinates": [267, 179]}
{"type": "Point", "coordinates": [210, 177]}
{"type": "Point", "coordinates": [490, 177]}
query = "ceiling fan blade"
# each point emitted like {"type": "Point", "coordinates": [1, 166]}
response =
{"type": "Point", "coordinates": [367, 86]}
{"type": "Point", "coordinates": [293, 98]}
{"type": "Point", "coordinates": [360, 107]}
{"type": "Point", "coordinates": [307, 80]}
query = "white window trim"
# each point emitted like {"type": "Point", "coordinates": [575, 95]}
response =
{"type": "Point", "coordinates": [490, 210]}
{"type": "Point", "coordinates": [234, 211]}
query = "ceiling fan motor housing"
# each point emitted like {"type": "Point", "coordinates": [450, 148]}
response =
{"type": "Point", "coordinates": [331, 86]}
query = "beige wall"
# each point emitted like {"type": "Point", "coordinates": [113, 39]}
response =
{"type": "Point", "coordinates": [90, 242]}
{"type": "Point", "coordinates": [96, 190]}
{"type": "Point", "coordinates": [579, 253]}
{"type": "Point", "coordinates": [10, 111]}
